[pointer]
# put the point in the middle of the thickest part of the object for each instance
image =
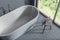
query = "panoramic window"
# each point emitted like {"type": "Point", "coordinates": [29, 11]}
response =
{"type": "Point", "coordinates": [48, 8]}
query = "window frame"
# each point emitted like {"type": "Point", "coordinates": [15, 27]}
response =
{"type": "Point", "coordinates": [54, 14]}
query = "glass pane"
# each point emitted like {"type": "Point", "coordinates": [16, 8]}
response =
{"type": "Point", "coordinates": [57, 19]}
{"type": "Point", "coordinates": [48, 7]}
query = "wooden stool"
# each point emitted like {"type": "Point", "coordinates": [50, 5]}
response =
{"type": "Point", "coordinates": [47, 22]}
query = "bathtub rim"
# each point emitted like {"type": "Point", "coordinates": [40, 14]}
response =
{"type": "Point", "coordinates": [3, 35]}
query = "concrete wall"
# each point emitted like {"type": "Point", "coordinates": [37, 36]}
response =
{"type": "Point", "coordinates": [13, 4]}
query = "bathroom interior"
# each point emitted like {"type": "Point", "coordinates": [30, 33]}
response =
{"type": "Point", "coordinates": [29, 19]}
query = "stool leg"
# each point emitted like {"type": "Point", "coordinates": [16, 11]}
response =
{"type": "Point", "coordinates": [44, 29]}
{"type": "Point", "coordinates": [50, 27]}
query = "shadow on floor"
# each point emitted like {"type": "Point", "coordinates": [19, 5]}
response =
{"type": "Point", "coordinates": [35, 33]}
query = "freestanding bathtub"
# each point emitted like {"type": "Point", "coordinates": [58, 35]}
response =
{"type": "Point", "coordinates": [15, 23]}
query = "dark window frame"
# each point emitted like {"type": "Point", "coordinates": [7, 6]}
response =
{"type": "Point", "coordinates": [54, 15]}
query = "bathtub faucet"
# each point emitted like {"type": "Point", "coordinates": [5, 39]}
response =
{"type": "Point", "coordinates": [4, 12]}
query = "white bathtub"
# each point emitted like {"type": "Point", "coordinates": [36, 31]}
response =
{"type": "Point", "coordinates": [15, 23]}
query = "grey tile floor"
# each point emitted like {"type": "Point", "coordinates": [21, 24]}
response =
{"type": "Point", "coordinates": [35, 33]}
